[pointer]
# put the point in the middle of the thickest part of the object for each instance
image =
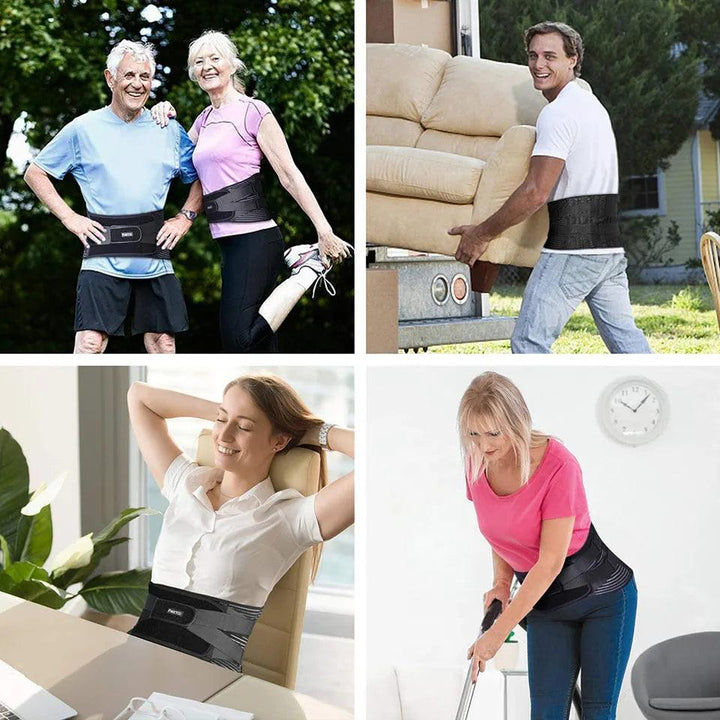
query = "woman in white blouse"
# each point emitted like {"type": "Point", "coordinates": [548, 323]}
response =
{"type": "Point", "coordinates": [227, 536]}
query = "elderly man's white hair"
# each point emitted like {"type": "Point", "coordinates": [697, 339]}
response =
{"type": "Point", "coordinates": [140, 51]}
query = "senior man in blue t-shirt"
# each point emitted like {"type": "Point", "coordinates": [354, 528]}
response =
{"type": "Point", "coordinates": [124, 163]}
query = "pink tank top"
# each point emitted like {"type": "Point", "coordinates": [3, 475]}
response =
{"type": "Point", "coordinates": [227, 152]}
{"type": "Point", "coordinates": [512, 523]}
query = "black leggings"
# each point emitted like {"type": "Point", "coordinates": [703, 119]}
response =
{"type": "Point", "coordinates": [250, 266]}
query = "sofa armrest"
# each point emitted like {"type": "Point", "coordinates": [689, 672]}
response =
{"type": "Point", "coordinates": [506, 169]}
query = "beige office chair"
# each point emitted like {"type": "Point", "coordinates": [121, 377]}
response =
{"type": "Point", "coordinates": [709, 251]}
{"type": "Point", "coordinates": [273, 648]}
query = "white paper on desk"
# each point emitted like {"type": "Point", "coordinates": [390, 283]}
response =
{"type": "Point", "coordinates": [193, 709]}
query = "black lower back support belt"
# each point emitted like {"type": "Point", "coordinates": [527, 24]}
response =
{"type": "Point", "coordinates": [242, 202]}
{"type": "Point", "coordinates": [585, 222]}
{"type": "Point", "coordinates": [206, 627]}
{"type": "Point", "coordinates": [129, 235]}
{"type": "Point", "coordinates": [594, 569]}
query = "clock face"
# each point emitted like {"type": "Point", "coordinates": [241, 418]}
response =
{"type": "Point", "coordinates": [634, 410]}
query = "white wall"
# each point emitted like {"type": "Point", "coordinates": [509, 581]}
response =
{"type": "Point", "coordinates": [39, 408]}
{"type": "Point", "coordinates": [657, 507]}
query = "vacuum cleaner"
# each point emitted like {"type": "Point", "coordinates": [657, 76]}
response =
{"type": "Point", "coordinates": [468, 691]}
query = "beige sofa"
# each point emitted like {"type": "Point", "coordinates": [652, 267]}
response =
{"type": "Point", "coordinates": [449, 139]}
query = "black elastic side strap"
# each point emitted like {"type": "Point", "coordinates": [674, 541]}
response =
{"type": "Point", "coordinates": [585, 222]}
{"type": "Point", "coordinates": [594, 569]}
{"type": "Point", "coordinates": [129, 235]}
{"type": "Point", "coordinates": [241, 203]}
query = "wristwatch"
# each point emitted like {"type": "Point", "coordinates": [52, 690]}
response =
{"type": "Point", "coordinates": [189, 214]}
{"type": "Point", "coordinates": [325, 428]}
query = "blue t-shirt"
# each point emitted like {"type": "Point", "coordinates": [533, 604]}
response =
{"type": "Point", "coordinates": [122, 168]}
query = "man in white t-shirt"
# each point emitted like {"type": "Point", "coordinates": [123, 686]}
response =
{"type": "Point", "coordinates": [574, 170]}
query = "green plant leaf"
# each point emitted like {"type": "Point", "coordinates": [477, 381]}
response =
{"type": "Point", "coordinates": [118, 592]}
{"type": "Point", "coordinates": [121, 520]}
{"type": "Point", "coordinates": [35, 590]}
{"type": "Point", "coordinates": [6, 556]}
{"type": "Point", "coordinates": [14, 482]}
{"type": "Point", "coordinates": [21, 571]}
{"type": "Point", "coordinates": [101, 550]}
{"type": "Point", "coordinates": [35, 535]}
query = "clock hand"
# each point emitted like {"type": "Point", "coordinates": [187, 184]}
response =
{"type": "Point", "coordinates": [641, 402]}
{"type": "Point", "coordinates": [626, 405]}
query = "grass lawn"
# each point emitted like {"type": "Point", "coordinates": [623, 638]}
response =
{"type": "Point", "coordinates": [674, 318]}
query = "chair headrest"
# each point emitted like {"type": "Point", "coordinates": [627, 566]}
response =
{"type": "Point", "coordinates": [297, 469]}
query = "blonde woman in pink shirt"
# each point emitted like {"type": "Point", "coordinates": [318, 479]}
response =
{"type": "Point", "coordinates": [231, 137]}
{"type": "Point", "coordinates": [577, 598]}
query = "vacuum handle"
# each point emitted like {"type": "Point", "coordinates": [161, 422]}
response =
{"type": "Point", "coordinates": [491, 616]}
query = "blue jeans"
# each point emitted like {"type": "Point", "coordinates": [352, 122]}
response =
{"type": "Point", "coordinates": [559, 283]}
{"type": "Point", "coordinates": [592, 635]}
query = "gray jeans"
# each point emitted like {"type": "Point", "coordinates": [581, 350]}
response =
{"type": "Point", "coordinates": [559, 283]}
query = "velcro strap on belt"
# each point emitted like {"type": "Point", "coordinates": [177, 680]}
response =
{"type": "Point", "coordinates": [585, 222]}
{"type": "Point", "coordinates": [241, 203]}
{"type": "Point", "coordinates": [129, 235]}
{"type": "Point", "coordinates": [594, 569]}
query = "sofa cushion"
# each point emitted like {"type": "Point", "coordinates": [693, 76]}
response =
{"type": "Point", "coordinates": [428, 174]}
{"type": "Point", "coordinates": [392, 131]}
{"type": "Point", "coordinates": [477, 147]}
{"type": "Point", "coordinates": [404, 79]}
{"type": "Point", "coordinates": [483, 97]}
{"type": "Point", "coordinates": [701, 704]}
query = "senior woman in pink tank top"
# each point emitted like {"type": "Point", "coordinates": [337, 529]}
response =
{"type": "Point", "coordinates": [577, 599]}
{"type": "Point", "coordinates": [231, 137]}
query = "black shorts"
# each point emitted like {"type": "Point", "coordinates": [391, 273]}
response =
{"type": "Point", "coordinates": [108, 304]}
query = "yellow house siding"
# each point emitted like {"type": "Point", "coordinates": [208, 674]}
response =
{"type": "Point", "coordinates": [709, 168]}
{"type": "Point", "coordinates": [680, 203]}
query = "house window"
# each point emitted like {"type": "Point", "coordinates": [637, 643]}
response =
{"type": "Point", "coordinates": [643, 195]}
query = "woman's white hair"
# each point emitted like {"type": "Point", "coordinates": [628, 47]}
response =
{"type": "Point", "coordinates": [140, 51]}
{"type": "Point", "coordinates": [225, 47]}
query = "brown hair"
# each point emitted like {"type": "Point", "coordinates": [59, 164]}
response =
{"type": "Point", "coordinates": [572, 42]}
{"type": "Point", "coordinates": [288, 414]}
{"type": "Point", "coordinates": [492, 399]}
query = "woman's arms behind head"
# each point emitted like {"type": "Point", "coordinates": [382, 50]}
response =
{"type": "Point", "coordinates": [335, 504]}
{"type": "Point", "coordinates": [149, 407]}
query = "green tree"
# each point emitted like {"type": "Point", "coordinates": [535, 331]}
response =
{"type": "Point", "coordinates": [698, 22]}
{"type": "Point", "coordinates": [300, 61]}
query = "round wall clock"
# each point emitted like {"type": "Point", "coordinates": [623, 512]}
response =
{"type": "Point", "coordinates": [634, 410]}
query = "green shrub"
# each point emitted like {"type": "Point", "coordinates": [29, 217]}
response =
{"type": "Point", "coordinates": [688, 299]}
{"type": "Point", "coordinates": [645, 243]}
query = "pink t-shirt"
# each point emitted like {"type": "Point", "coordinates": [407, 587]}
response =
{"type": "Point", "coordinates": [227, 152]}
{"type": "Point", "coordinates": [512, 523]}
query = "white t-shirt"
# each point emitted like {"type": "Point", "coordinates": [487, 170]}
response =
{"type": "Point", "coordinates": [576, 128]}
{"type": "Point", "coordinates": [238, 552]}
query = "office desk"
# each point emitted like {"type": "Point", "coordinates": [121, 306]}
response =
{"type": "Point", "coordinates": [96, 670]}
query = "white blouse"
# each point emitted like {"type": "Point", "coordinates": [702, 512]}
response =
{"type": "Point", "coordinates": [237, 552]}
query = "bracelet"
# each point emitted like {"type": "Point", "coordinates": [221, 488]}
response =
{"type": "Point", "coordinates": [325, 428]}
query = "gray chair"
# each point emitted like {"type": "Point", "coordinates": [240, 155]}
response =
{"type": "Point", "coordinates": [679, 679]}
